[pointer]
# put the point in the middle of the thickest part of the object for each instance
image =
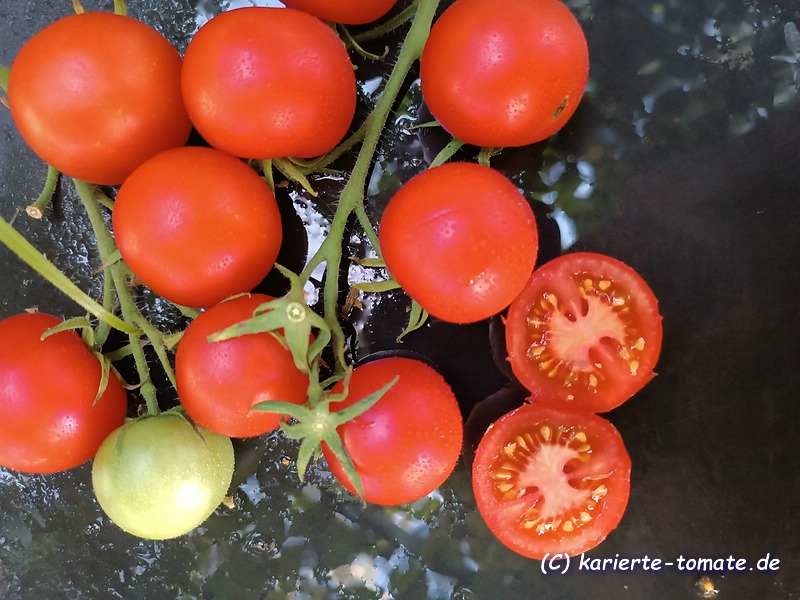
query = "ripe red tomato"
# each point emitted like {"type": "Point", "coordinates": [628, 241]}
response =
{"type": "Point", "coordinates": [461, 240]}
{"type": "Point", "coordinates": [408, 443]}
{"type": "Point", "coordinates": [219, 382]}
{"type": "Point", "coordinates": [197, 225]}
{"type": "Point", "coordinates": [504, 76]}
{"type": "Point", "coordinates": [349, 12]}
{"type": "Point", "coordinates": [50, 421]}
{"type": "Point", "coordinates": [269, 82]}
{"type": "Point", "coordinates": [551, 481]}
{"type": "Point", "coordinates": [585, 332]}
{"type": "Point", "coordinates": [97, 94]}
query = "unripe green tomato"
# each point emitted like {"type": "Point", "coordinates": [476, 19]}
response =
{"type": "Point", "coordinates": [160, 477]}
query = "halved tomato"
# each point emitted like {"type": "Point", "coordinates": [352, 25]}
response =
{"type": "Point", "coordinates": [551, 481]}
{"type": "Point", "coordinates": [584, 333]}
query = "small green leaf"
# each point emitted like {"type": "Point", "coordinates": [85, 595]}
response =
{"type": "Point", "coordinates": [68, 325]}
{"type": "Point", "coordinates": [372, 263]}
{"type": "Point", "coordinates": [296, 411]}
{"type": "Point", "coordinates": [362, 406]}
{"type": "Point", "coordinates": [261, 323]}
{"type": "Point", "coordinates": [336, 446]}
{"type": "Point", "coordinates": [308, 449]}
{"type": "Point", "coordinates": [447, 152]}
{"type": "Point", "coordinates": [105, 373]}
{"type": "Point", "coordinates": [417, 317]}
{"type": "Point", "coordinates": [377, 286]}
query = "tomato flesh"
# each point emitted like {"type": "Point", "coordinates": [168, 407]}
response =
{"type": "Point", "coordinates": [551, 481]}
{"type": "Point", "coordinates": [585, 332]}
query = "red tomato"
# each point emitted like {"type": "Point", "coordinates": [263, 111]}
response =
{"type": "Point", "coordinates": [197, 225]}
{"type": "Point", "coordinates": [505, 75]}
{"type": "Point", "coordinates": [461, 240]}
{"type": "Point", "coordinates": [97, 94]}
{"type": "Point", "coordinates": [219, 382]}
{"type": "Point", "coordinates": [269, 82]}
{"type": "Point", "coordinates": [50, 421]}
{"type": "Point", "coordinates": [349, 12]}
{"type": "Point", "coordinates": [551, 481]}
{"type": "Point", "coordinates": [407, 444]}
{"type": "Point", "coordinates": [585, 332]}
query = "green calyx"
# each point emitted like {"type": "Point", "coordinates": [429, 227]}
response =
{"type": "Point", "coordinates": [290, 320]}
{"type": "Point", "coordinates": [317, 422]}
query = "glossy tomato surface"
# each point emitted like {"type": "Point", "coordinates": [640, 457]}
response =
{"type": "Point", "coordinates": [50, 420]}
{"type": "Point", "coordinates": [97, 94]}
{"type": "Point", "coordinates": [504, 76]}
{"type": "Point", "coordinates": [219, 382]}
{"type": "Point", "coordinates": [461, 240]}
{"type": "Point", "coordinates": [160, 477]}
{"type": "Point", "coordinates": [197, 225]}
{"type": "Point", "coordinates": [268, 83]}
{"type": "Point", "coordinates": [408, 443]}
{"type": "Point", "coordinates": [585, 332]}
{"type": "Point", "coordinates": [549, 481]}
{"type": "Point", "coordinates": [349, 12]}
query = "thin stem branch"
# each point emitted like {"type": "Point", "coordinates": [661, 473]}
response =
{"type": "Point", "coordinates": [107, 247]}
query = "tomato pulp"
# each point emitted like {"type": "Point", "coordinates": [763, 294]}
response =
{"type": "Point", "coordinates": [585, 332]}
{"type": "Point", "coordinates": [551, 481]}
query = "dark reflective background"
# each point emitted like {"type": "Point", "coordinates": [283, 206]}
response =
{"type": "Point", "coordinates": [683, 160]}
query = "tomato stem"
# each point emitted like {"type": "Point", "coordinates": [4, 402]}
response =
{"type": "Point", "coordinates": [390, 25]}
{"type": "Point", "coordinates": [35, 210]}
{"type": "Point", "coordinates": [4, 72]}
{"type": "Point", "coordinates": [37, 261]}
{"type": "Point", "coordinates": [351, 199]}
{"type": "Point", "coordinates": [130, 312]}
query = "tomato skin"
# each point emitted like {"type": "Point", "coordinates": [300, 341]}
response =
{"type": "Point", "coordinates": [268, 83]}
{"type": "Point", "coordinates": [565, 476]}
{"type": "Point", "coordinates": [348, 12]}
{"type": "Point", "coordinates": [160, 477]}
{"type": "Point", "coordinates": [461, 240]}
{"type": "Point", "coordinates": [96, 94]}
{"type": "Point", "coordinates": [507, 77]}
{"type": "Point", "coordinates": [219, 382]}
{"type": "Point", "coordinates": [408, 443]}
{"type": "Point", "coordinates": [47, 390]}
{"type": "Point", "coordinates": [619, 328]}
{"type": "Point", "coordinates": [197, 225]}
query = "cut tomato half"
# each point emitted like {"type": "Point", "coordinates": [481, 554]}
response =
{"type": "Point", "coordinates": [584, 333]}
{"type": "Point", "coordinates": [551, 481]}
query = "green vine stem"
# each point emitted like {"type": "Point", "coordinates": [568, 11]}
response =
{"type": "Point", "coordinates": [351, 199]}
{"type": "Point", "coordinates": [390, 25]}
{"type": "Point", "coordinates": [4, 72]}
{"type": "Point", "coordinates": [35, 210]}
{"type": "Point", "coordinates": [37, 261]}
{"type": "Point", "coordinates": [107, 248]}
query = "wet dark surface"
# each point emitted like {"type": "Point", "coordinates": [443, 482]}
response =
{"type": "Point", "coordinates": [683, 161]}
